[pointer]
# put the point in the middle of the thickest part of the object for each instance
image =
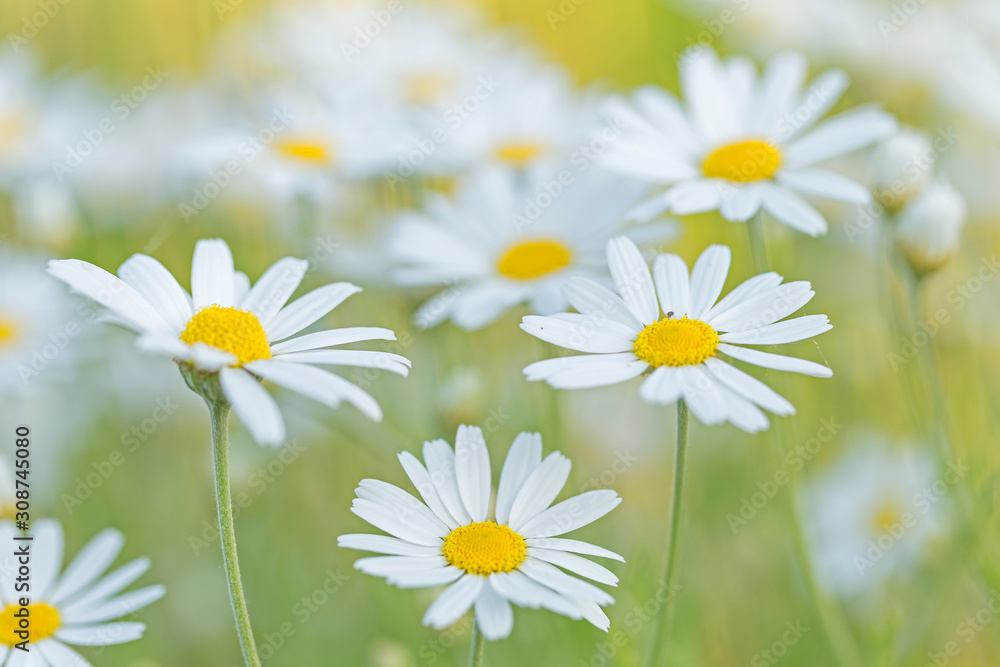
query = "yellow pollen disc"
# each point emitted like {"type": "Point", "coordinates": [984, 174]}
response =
{"type": "Point", "coordinates": [306, 151]}
{"type": "Point", "coordinates": [8, 331]}
{"type": "Point", "coordinates": [533, 259]}
{"type": "Point", "coordinates": [670, 342]}
{"type": "Point", "coordinates": [236, 331]}
{"type": "Point", "coordinates": [427, 88]}
{"type": "Point", "coordinates": [743, 161]}
{"type": "Point", "coordinates": [886, 516]}
{"type": "Point", "coordinates": [484, 548]}
{"type": "Point", "coordinates": [518, 153]}
{"type": "Point", "coordinates": [43, 621]}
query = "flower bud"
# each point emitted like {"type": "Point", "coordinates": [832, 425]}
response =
{"type": "Point", "coordinates": [929, 228]}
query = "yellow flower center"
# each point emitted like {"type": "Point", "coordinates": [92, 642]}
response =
{"type": "Point", "coordinates": [427, 88]}
{"type": "Point", "coordinates": [9, 331]}
{"type": "Point", "coordinates": [670, 342]}
{"type": "Point", "coordinates": [236, 331]}
{"type": "Point", "coordinates": [41, 623]}
{"type": "Point", "coordinates": [518, 153]}
{"type": "Point", "coordinates": [484, 548]}
{"type": "Point", "coordinates": [305, 151]}
{"type": "Point", "coordinates": [13, 128]}
{"type": "Point", "coordinates": [533, 259]}
{"type": "Point", "coordinates": [743, 161]}
{"type": "Point", "coordinates": [886, 517]}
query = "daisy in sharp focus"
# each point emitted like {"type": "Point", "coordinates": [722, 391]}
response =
{"type": "Point", "coordinates": [625, 336]}
{"type": "Point", "coordinates": [740, 144]}
{"type": "Point", "coordinates": [240, 334]}
{"type": "Point", "coordinates": [450, 539]}
{"type": "Point", "coordinates": [499, 243]}
{"type": "Point", "coordinates": [79, 607]}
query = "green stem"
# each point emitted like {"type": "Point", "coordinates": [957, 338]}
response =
{"type": "Point", "coordinates": [478, 647]}
{"type": "Point", "coordinates": [662, 631]}
{"type": "Point", "coordinates": [835, 626]}
{"type": "Point", "coordinates": [220, 448]}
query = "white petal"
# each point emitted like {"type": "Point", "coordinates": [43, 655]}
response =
{"type": "Point", "coordinates": [526, 592]}
{"type": "Point", "coordinates": [92, 560]}
{"type": "Point", "coordinates": [109, 585]}
{"type": "Point", "coordinates": [703, 396]}
{"type": "Point", "coordinates": [539, 489]}
{"type": "Point", "coordinates": [331, 338]}
{"type": "Point", "coordinates": [452, 604]}
{"type": "Point", "coordinates": [241, 286]}
{"type": "Point", "coordinates": [560, 582]}
{"type": "Point", "coordinates": [426, 578]}
{"type": "Point", "coordinates": [707, 279]}
{"type": "Point", "coordinates": [593, 614]}
{"type": "Point", "coordinates": [696, 196]}
{"type": "Point", "coordinates": [391, 522]}
{"type": "Point", "coordinates": [122, 605]}
{"type": "Point", "coordinates": [385, 361]}
{"type": "Point", "coordinates": [100, 635]}
{"type": "Point", "coordinates": [317, 384]}
{"type": "Point", "coordinates": [390, 566]}
{"type": "Point", "coordinates": [274, 288]}
{"type": "Point", "coordinates": [779, 333]}
{"type": "Point", "coordinates": [208, 358]}
{"type": "Point", "coordinates": [425, 486]}
{"type": "Point", "coordinates": [494, 615]}
{"type": "Point", "coordinates": [571, 514]}
{"type": "Point", "coordinates": [824, 91]}
{"type": "Point", "coordinates": [662, 387]}
{"type": "Point", "coordinates": [575, 546]}
{"type": "Point", "coordinates": [479, 305]}
{"type": "Point", "coordinates": [741, 293]}
{"type": "Point", "coordinates": [575, 564]}
{"type": "Point", "coordinates": [776, 362]}
{"type": "Point", "coordinates": [60, 655]}
{"type": "Point", "coordinates": [383, 544]}
{"type": "Point", "coordinates": [110, 292]}
{"type": "Point", "coordinates": [162, 344]}
{"type": "Point", "coordinates": [741, 203]}
{"type": "Point", "coordinates": [472, 471]}
{"type": "Point", "coordinates": [632, 278]}
{"type": "Point", "coordinates": [305, 310]}
{"type": "Point", "coordinates": [253, 406]}
{"type": "Point", "coordinates": [749, 387]}
{"type": "Point", "coordinates": [779, 89]}
{"type": "Point", "coordinates": [845, 132]}
{"type": "Point", "coordinates": [741, 412]}
{"type": "Point", "coordinates": [440, 460]}
{"type": "Point", "coordinates": [791, 209]}
{"type": "Point", "coordinates": [591, 298]}
{"type": "Point", "coordinates": [580, 333]}
{"type": "Point", "coordinates": [159, 287]}
{"type": "Point", "coordinates": [586, 371]}
{"type": "Point", "coordinates": [47, 556]}
{"type": "Point", "coordinates": [212, 272]}
{"type": "Point", "coordinates": [649, 209]}
{"type": "Point", "coordinates": [524, 456]}
{"type": "Point", "coordinates": [823, 183]}
{"type": "Point", "coordinates": [404, 505]}
{"type": "Point", "coordinates": [670, 274]}
{"type": "Point", "coordinates": [765, 307]}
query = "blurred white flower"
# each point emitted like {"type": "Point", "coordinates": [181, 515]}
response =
{"type": "Point", "coordinates": [740, 144]}
{"type": "Point", "coordinates": [624, 336]}
{"type": "Point", "coordinates": [929, 229]}
{"type": "Point", "coordinates": [75, 607]}
{"type": "Point", "coordinates": [901, 167]}
{"type": "Point", "coordinates": [227, 330]}
{"type": "Point", "coordinates": [874, 513]}
{"type": "Point", "coordinates": [501, 242]}
{"type": "Point", "coordinates": [488, 564]}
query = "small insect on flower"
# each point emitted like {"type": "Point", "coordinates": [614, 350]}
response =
{"type": "Point", "coordinates": [79, 607]}
{"type": "Point", "coordinates": [626, 337]}
{"type": "Point", "coordinates": [227, 336]}
{"type": "Point", "coordinates": [488, 563]}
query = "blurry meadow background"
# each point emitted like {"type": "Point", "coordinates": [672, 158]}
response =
{"type": "Point", "coordinates": [122, 442]}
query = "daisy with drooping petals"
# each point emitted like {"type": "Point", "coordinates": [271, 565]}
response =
{"type": "Point", "coordinates": [740, 144]}
{"type": "Point", "coordinates": [486, 563]}
{"type": "Point", "coordinates": [79, 608]}
{"type": "Point", "coordinates": [495, 247]}
{"type": "Point", "coordinates": [626, 337]}
{"type": "Point", "coordinates": [240, 334]}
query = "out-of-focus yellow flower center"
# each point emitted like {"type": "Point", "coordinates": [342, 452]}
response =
{"type": "Point", "coordinates": [533, 259]}
{"type": "Point", "coordinates": [236, 331]}
{"type": "Point", "coordinates": [681, 342]}
{"type": "Point", "coordinates": [518, 153]}
{"type": "Point", "coordinates": [484, 548]}
{"type": "Point", "coordinates": [13, 126]}
{"type": "Point", "coordinates": [743, 161]}
{"type": "Point", "coordinates": [886, 516]}
{"type": "Point", "coordinates": [306, 151]}
{"type": "Point", "coordinates": [42, 622]}
{"type": "Point", "coordinates": [9, 331]}
{"type": "Point", "coordinates": [427, 88]}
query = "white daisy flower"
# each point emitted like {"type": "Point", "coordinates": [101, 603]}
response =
{"type": "Point", "coordinates": [874, 513]}
{"type": "Point", "coordinates": [625, 337]}
{"type": "Point", "coordinates": [498, 244]}
{"type": "Point", "coordinates": [929, 229]}
{"type": "Point", "coordinates": [227, 329]}
{"type": "Point", "coordinates": [741, 144]}
{"type": "Point", "coordinates": [487, 563]}
{"type": "Point", "coordinates": [80, 607]}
